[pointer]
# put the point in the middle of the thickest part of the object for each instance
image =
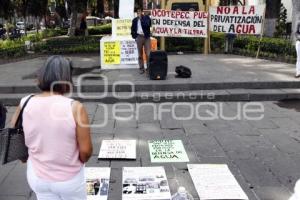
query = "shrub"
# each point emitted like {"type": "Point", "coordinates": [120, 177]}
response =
{"type": "Point", "coordinates": [183, 44]}
{"type": "Point", "coordinates": [100, 30]}
{"type": "Point", "coordinates": [12, 52]}
{"type": "Point", "coordinates": [272, 46]}
{"type": "Point", "coordinates": [217, 41]}
{"type": "Point", "coordinates": [54, 32]}
{"type": "Point", "coordinates": [70, 45]}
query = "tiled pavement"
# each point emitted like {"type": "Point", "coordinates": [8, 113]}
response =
{"type": "Point", "coordinates": [263, 155]}
{"type": "Point", "coordinates": [215, 68]}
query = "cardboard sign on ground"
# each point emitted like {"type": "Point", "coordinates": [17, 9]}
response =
{"type": "Point", "coordinates": [118, 149]}
{"type": "Point", "coordinates": [167, 151]}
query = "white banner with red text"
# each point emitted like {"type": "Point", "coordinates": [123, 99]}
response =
{"type": "Point", "coordinates": [171, 23]}
{"type": "Point", "coordinates": [246, 20]}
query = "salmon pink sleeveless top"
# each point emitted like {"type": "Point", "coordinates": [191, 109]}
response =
{"type": "Point", "coordinates": [50, 135]}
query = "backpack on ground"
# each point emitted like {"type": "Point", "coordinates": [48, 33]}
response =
{"type": "Point", "coordinates": [183, 71]}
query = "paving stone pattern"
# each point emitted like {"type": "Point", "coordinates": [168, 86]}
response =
{"type": "Point", "coordinates": [264, 155]}
{"type": "Point", "coordinates": [206, 69]}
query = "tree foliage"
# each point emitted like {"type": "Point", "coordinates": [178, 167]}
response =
{"type": "Point", "coordinates": [6, 9]}
{"type": "Point", "coordinates": [231, 2]}
{"type": "Point", "coordinates": [37, 8]}
{"type": "Point", "coordinates": [281, 22]}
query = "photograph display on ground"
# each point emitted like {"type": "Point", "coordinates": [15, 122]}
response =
{"type": "Point", "coordinates": [97, 182]}
{"type": "Point", "coordinates": [167, 151]}
{"type": "Point", "coordinates": [145, 183]}
{"type": "Point", "coordinates": [118, 149]}
{"type": "Point", "coordinates": [215, 181]}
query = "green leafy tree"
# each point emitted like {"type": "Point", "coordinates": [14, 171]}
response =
{"type": "Point", "coordinates": [6, 9]}
{"type": "Point", "coordinates": [38, 9]}
{"type": "Point", "coordinates": [21, 6]}
{"type": "Point", "coordinates": [61, 9]}
{"type": "Point", "coordinates": [116, 8]}
{"type": "Point", "coordinates": [272, 9]}
{"type": "Point", "coordinates": [281, 22]}
{"type": "Point", "coordinates": [100, 8]}
{"type": "Point", "coordinates": [75, 6]}
{"type": "Point", "coordinates": [7, 12]}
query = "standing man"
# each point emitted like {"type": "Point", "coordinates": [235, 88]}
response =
{"type": "Point", "coordinates": [298, 58]}
{"type": "Point", "coordinates": [298, 51]}
{"type": "Point", "coordinates": [140, 31]}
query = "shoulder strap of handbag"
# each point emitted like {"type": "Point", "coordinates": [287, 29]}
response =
{"type": "Point", "coordinates": [19, 122]}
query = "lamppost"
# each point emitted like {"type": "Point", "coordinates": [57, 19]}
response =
{"type": "Point", "coordinates": [162, 39]}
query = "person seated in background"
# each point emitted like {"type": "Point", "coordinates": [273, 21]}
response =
{"type": "Point", "coordinates": [57, 134]}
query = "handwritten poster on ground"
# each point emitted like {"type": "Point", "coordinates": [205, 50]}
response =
{"type": "Point", "coordinates": [97, 182]}
{"type": "Point", "coordinates": [215, 181]}
{"type": "Point", "coordinates": [167, 151]}
{"type": "Point", "coordinates": [145, 183]}
{"type": "Point", "coordinates": [246, 20]}
{"type": "Point", "coordinates": [129, 52]}
{"type": "Point", "coordinates": [112, 52]}
{"type": "Point", "coordinates": [121, 27]}
{"type": "Point", "coordinates": [118, 149]}
{"type": "Point", "coordinates": [171, 23]}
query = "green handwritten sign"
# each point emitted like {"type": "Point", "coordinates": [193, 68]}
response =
{"type": "Point", "coordinates": [167, 151]}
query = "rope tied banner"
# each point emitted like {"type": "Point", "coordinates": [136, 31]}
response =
{"type": "Point", "coordinates": [246, 20]}
{"type": "Point", "coordinates": [170, 23]}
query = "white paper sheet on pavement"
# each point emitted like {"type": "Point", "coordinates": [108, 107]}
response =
{"type": "Point", "coordinates": [215, 181]}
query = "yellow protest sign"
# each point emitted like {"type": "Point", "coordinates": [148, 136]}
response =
{"type": "Point", "coordinates": [122, 27]}
{"type": "Point", "coordinates": [112, 52]}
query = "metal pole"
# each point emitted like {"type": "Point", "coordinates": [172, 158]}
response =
{"type": "Point", "coordinates": [206, 42]}
{"type": "Point", "coordinates": [162, 39]}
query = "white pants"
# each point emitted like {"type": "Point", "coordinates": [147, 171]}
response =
{"type": "Point", "coordinates": [73, 189]}
{"type": "Point", "coordinates": [298, 58]}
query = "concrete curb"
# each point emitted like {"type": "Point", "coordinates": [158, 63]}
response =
{"type": "Point", "coordinates": [186, 96]}
{"type": "Point", "coordinates": [161, 86]}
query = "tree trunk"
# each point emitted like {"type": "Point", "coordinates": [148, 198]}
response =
{"type": "Point", "coordinates": [7, 28]}
{"type": "Point", "coordinates": [37, 24]}
{"type": "Point", "coordinates": [100, 8]}
{"type": "Point", "coordinates": [272, 13]}
{"type": "Point", "coordinates": [295, 18]}
{"type": "Point", "coordinates": [25, 24]}
{"type": "Point", "coordinates": [116, 8]}
{"type": "Point", "coordinates": [72, 28]}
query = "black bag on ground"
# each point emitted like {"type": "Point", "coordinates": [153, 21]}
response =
{"type": "Point", "coordinates": [158, 65]}
{"type": "Point", "coordinates": [12, 141]}
{"type": "Point", "coordinates": [2, 116]}
{"type": "Point", "coordinates": [183, 71]}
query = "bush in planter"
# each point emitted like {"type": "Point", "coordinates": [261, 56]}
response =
{"type": "Point", "coordinates": [53, 32]}
{"type": "Point", "coordinates": [271, 45]}
{"type": "Point", "coordinates": [100, 30]}
{"type": "Point", "coordinates": [12, 52]}
{"type": "Point", "coordinates": [70, 45]}
{"type": "Point", "coordinates": [217, 42]}
{"type": "Point", "coordinates": [183, 44]}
